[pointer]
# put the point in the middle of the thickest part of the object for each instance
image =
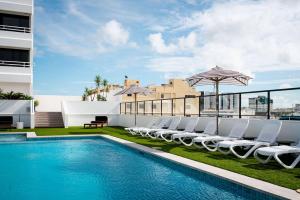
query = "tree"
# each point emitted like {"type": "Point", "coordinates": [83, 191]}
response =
{"type": "Point", "coordinates": [98, 82]}
{"type": "Point", "coordinates": [105, 87]}
{"type": "Point", "coordinates": [14, 95]}
{"type": "Point", "coordinates": [36, 104]}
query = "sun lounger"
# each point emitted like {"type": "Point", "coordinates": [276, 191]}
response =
{"type": "Point", "coordinates": [151, 124]}
{"type": "Point", "coordinates": [266, 137]}
{"type": "Point", "coordinates": [173, 126]}
{"type": "Point", "coordinates": [165, 121]}
{"type": "Point", "coordinates": [210, 142]}
{"type": "Point", "coordinates": [186, 138]}
{"type": "Point", "coordinates": [276, 151]}
{"type": "Point", "coordinates": [167, 134]}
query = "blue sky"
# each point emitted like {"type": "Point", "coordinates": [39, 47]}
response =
{"type": "Point", "coordinates": [154, 40]}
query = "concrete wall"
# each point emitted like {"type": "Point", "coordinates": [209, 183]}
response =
{"type": "Point", "coordinates": [21, 110]}
{"type": "Point", "coordinates": [76, 113]}
{"type": "Point", "coordinates": [52, 103]}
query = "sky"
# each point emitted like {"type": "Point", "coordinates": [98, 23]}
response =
{"type": "Point", "coordinates": [154, 40]}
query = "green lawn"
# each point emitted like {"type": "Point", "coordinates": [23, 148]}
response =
{"type": "Point", "coordinates": [272, 172]}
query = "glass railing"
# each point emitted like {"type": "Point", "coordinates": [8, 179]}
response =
{"type": "Point", "coordinates": [265, 104]}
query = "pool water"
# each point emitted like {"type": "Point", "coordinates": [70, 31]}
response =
{"type": "Point", "coordinates": [12, 137]}
{"type": "Point", "coordinates": [98, 169]}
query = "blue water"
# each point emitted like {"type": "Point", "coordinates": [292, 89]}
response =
{"type": "Point", "coordinates": [97, 169]}
{"type": "Point", "coordinates": [12, 137]}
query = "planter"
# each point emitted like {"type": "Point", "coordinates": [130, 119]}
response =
{"type": "Point", "coordinates": [20, 125]}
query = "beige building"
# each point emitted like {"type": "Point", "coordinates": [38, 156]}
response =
{"type": "Point", "coordinates": [175, 88]}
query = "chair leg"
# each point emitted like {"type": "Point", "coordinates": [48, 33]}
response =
{"type": "Point", "coordinates": [164, 137]}
{"type": "Point", "coordinates": [291, 166]}
{"type": "Point", "coordinates": [182, 140]}
{"type": "Point", "coordinates": [205, 144]}
{"type": "Point", "coordinates": [261, 160]}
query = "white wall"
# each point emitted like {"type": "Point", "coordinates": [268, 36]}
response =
{"type": "Point", "coordinates": [76, 113]}
{"type": "Point", "coordinates": [21, 110]}
{"type": "Point", "coordinates": [52, 103]}
{"type": "Point", "coordinates": [24, 6]}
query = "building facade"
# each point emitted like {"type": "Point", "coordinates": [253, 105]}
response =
{"type": "Point", "coordinates": [16, 46]}
{"type": "Point", "coordinates": [260, 104]}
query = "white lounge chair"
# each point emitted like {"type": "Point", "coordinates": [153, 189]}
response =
{"type": "Point", "coordinates": [173, 126]}
{"type": "Point", "coordinates": [167, 134]}
{"type": "Point", "coordinates": [275, 151]}
{"type": "Point", "coordinates": [211, 142]}
{"type": "Point", "coordinates": [135, 130]}
{"type": "Point", "coordinates": [183, 138]}
{"type": "Point", "coordinates": [266, 137]}
{"type": "Point", "coordinates": [162, 124]}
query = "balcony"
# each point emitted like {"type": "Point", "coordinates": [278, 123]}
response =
{"type": "Point", "coordinates": [7, 63]}
{"type": "Point", "coordinates": [14, 57]}
{"type": "Point", "coordinates": [15, 29]}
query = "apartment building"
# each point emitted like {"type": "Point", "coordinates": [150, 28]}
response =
{"type": "Point", "coordinates": [175, 88]}
{"type": "Point", "coordinates": [16, 45]}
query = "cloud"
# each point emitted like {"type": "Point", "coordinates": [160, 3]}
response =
{"type": "Point", "coordinates": [285, 85]}
{"type": "Point", "coordinates": [184, 43]}
{"type": "Point", "coordinates": [86, 39]}
{"type": "Point", "coordinates": [114, 34]}
{"type": "Point", "coordinates": [158, 44]}
{"type": "Point", "coordinates": [249, 36]}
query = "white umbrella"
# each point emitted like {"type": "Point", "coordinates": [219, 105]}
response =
{"type": "Point", "coordinates": [135, 90]}
{"type": "Point", "coordinates": [217, 76]}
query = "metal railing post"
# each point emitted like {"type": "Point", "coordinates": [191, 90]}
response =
{"type": "Point", "coordinates": [199, 106]}
{"type": "Point", "coordinates": [137, 108]}
{"type": "Point", "coordinates": [161, 107]}
{"type": "Point", "coordinates": [144, 107]}
{"type": "Point", "coordinates": [269, 106]}
{"type": "Point", "coordinates": [240, 105]}
{"type": "Point", "coordinates": [184, 106]}
{"type": "Point", "coordinates": [172, 110]}
{"type": "Point", "coordinates": [152, 107]}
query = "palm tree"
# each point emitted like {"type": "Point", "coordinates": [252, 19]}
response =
{"type": "Point", "coordinates": [98, 82]}
{"type": "Point", "coordinates": [86, 94]}
{"type": "Point", "coordinates": [105, 87]}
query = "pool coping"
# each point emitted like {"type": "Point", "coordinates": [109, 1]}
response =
{"type": "Point", "coordinates": [246, 181]}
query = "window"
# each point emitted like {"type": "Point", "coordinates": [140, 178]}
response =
{"type": "Point", "coordinates": [162, 96]}
{"type": "Point", "coordinates": [14, 55]}
{"type": "Point", "coordinates": [16, 23]}
{"type": "Point", "coordinates": [129, 95]}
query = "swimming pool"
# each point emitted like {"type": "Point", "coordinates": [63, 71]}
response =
{"type": "Point", "coordinates": [98, 169]}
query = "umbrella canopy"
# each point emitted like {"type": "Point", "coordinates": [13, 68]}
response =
{"type": "Point", "coordinates": [135, 90]}
{"type": "Point", "coordinates": [220, 75]}
{"type": "Point", "coordinates": [217, 76]}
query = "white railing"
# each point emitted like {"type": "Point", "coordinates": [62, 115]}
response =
{"type": "Point", "coordinates": [15, 28]}
{"type": "Point", "coordinates": [8, 63]}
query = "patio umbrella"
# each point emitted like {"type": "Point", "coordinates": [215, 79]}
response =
{"type": "Point", "coordinates": [217, 76]}
{"type": "Point", "coordinates": [135, 90]}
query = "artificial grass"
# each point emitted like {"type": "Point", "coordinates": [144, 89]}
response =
{"type": "Point", "coordinates": [271, 172]}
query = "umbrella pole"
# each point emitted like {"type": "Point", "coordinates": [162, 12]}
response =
{"type": "Point", "coordinates": [134, 109]}
{"type": "Point", "coordinates": [217, 106]}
